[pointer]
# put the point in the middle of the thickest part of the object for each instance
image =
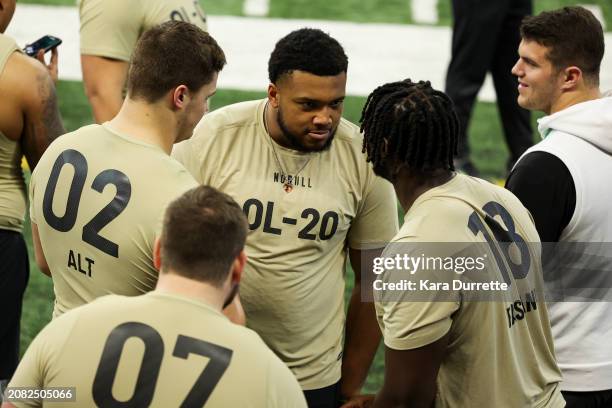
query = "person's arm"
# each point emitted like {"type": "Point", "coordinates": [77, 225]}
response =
{"type": "Point", "coordinates": [41, 261]}
{"type": "Point", "coordinates": [410, 376]}
{"type": "Point", "coordinates": [104, 80]}
{"type": "Point", "coordinates": [52, 65]}
{"type": "Point", "coordinates": [34, 92]}
{"type": "Point", "coordinates": [362, 335]}
{"type": "Point", "coordinates": [544, 185]}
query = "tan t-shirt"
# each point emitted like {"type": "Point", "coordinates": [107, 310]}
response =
{"type": "Point", "coordinates": [293, 285]}
{"type": "Point", "coordinates": [500, 352]}
{"type": "Point", "coordinates": [111, 28]}
{"type": "Point", "coordinates": [157, 350]}
{"type": "Point", "coordinates": [98, 199]}
{"type": "Point", "coordinates": [12, 183]}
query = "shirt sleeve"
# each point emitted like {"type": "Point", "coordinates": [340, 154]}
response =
{"type": "Point", "coordinates": [28, 373]}
{"type": "Point", "coordinates": [413, 318]}
{"type": "Point", "coordinates": [109, 28]}
{"type": "Point", "coordinates": [376, 221]}
{"type": "Point", "coordinates": [409, 325]}
{"type": "Point", "coordinates": [37, 368]}
{"type": "Point", "coordinates": [544, 185]}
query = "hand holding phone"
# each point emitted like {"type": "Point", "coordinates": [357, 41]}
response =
{"type": "Point", "coordinates": [46, 43]}
{"type": "Point", "coordinates": [38, 49]}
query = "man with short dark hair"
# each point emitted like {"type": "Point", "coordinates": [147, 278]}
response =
{"type": "Point", "coordinates": [171, 347]}
{"type": "Point", "coordinates": [98, 193]}
{"type": "Point", "coordinates": [450, 346]}
{"type": "Point", "coordinates": [564, 182]}
{"type": "Point", "coordinates": [296, 168]}
{"type": "Point", "coordinates": [29, 121]}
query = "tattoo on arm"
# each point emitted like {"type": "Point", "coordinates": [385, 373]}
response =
{"type": "Point", "coordinates": [51, 115]}
{"type": "Point", "coordinates": [43, 121]}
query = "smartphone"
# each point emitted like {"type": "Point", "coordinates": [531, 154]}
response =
{"type": "Point", "coordinates": [47, 43]}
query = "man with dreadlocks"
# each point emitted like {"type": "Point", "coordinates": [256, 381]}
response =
{"type": "Point", "coordinates": [443, 346]}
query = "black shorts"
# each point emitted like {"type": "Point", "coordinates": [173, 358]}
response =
{"type": "Point", "coordinates": [14, 273]}
{"type": "Point", "coordinates": [590, 399]}
{"type": "Point", "coordinates": [328, 397]}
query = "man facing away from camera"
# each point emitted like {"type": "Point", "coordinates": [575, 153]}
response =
{"type": "Point", "coordinates": [448, 347]}
{"type": "Point", "coordinates": [98, 194]}
{"type": "Point", "coordinates": [171, 347]}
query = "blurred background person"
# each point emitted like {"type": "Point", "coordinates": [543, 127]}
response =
{"type": "Point", "coordinates": [485, 39]}
{"type": "Point", "coordinates": [109, 31]}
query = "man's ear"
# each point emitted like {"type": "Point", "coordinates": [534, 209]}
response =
{"type": "Point", "coordinates": [273, 96]}
{"type": "Point", "coordinates": [180, 97]}
{"type": "Point", "coordinates": [157, 254]}
{"type": "Point", "coordinates": [572, 78]}
{"type": "Point", "coordinates": [238, 267]}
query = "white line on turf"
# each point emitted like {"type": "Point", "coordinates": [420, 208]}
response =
{"type": "Point", "coordinates": [256, 8]}
{"type": "Point", "coordinates": [424, 11]}
{"type": "Point", "coordinates": [378, 53]}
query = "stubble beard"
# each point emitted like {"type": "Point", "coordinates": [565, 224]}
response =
{"type": "Point", "coordinates": [294, 140]}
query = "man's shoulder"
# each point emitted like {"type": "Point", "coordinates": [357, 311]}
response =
{"type": "Point", "coordinates": [97, 146]}
{"type": "Point", "coordinates": [220, 129]}
{"type": "Point", "coordinates": [84, 137]}
{"type": "Point", "coordinates": [436, 219]}
{"type": "Point", "coordinates": [8, 45]}
{"type": "Point", "coordinates": [349, 133]}
{"type": "Point", "coordinates": [348, 146]}
{"type": "Point", "coordinates": [23, 78]}
{"type": "Point", "coordinates": [159, 310]}
{"type": "Point", "coordinates": [237, 115]}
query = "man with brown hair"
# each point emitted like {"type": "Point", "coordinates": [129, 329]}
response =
{"type": "Point", "coordinates": [193, 356]}
{"type": "Point", "coordinates": [564, 181]}
{"type": "Point", "coordinates": [29, 121]}
{"type": "Point", "coordinates": [98, 193]}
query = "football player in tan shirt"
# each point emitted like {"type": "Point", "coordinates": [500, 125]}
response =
{"type": "Point", "coordinates": [98, 194]}
{"type": "Point", "coordinates": [313, 203]}
{"type": "Point", "coordinates": [171, 347]}
{"type": "Point", "coordinates": [447, 346]}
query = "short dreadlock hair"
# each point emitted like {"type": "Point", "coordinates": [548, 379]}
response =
{"type": "Point", "coordinates": [309, 50]}
{"type": "Point", "coordinates": [410, 124]}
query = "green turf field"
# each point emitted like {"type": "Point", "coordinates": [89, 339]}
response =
{"type": "Point", "coordinates": [380, 11]}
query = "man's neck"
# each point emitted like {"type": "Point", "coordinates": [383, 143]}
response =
{"type": "Point", "coordinates": [409, 187]}
{"type": "Point", "coordinates": [174, 284]}
{"type": "Point", "coordinates": [573, 98]}
{"type": "Point", "coordinates": [273, 128]}
{"type": "Point", "coordinates": [151, 123]}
